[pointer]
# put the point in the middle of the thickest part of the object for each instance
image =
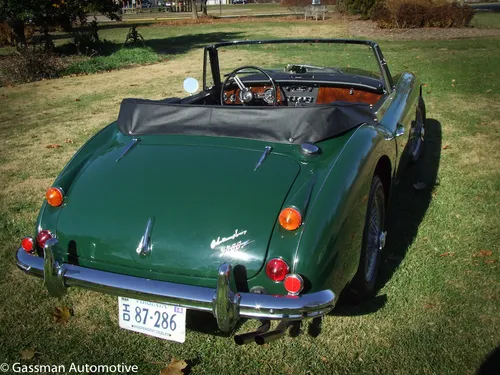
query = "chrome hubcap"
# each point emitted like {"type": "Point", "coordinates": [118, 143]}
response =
{"type": "Point", "coordinates": [381, 240]}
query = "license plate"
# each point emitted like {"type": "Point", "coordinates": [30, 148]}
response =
{"type": "Point", "coordinates": [152, 318]}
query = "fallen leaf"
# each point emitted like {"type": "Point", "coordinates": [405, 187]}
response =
{"type": "Point", "coordinates": [452, 85]}
{"type": "Point", "coordinates": [175, 367]}
{"type": "Point", "coordinates": [420, 185]}
{"type": "Point", "coordinates": [54, 146]}
{"type": "Point", "coordinates": [489, 261]}
{"type": "Point", "coordinates": [429, 306]}
{"type": "Point", "coordinates": [446, 147]}
{"type": "Point", "coordinates": [61, 314]}
{"type": "Point", "coordinates": [77, 99]}
{"type": "Point", "coordinates": [324, 359]}
{"type": "Point", "coordinates": [28, 354]}
{"type": "Point", "coordinates": [68, 140]}
{"type": "Point", "coordinates": [483, 253]}
{"type": "Point", "coordinates": [489, 90]}
{"type": "Point", "coordinates": [447, 254]}
{"type": "Point", "coordinates": [453, 81]}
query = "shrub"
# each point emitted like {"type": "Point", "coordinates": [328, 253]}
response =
{"type": "Point", "coordinates": [32, 63]}
{"type": "Point", "coordinates": [361, 7]}
{"type": "Point", "coordinates": [421, 13]}
{"type": "Point", "coordinates": [86, 41]}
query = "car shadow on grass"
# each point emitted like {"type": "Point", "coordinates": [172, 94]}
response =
{"type": "Point", "coordinates": [162, 46]}
{"type": "Point", "coordinates": [410, 199]}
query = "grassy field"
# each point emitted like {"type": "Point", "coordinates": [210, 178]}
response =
{"type": "Point", "coordinates": [437, 310]}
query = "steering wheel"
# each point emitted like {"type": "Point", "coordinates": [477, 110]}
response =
{"type": "Point", "coordinates": [246, 95]}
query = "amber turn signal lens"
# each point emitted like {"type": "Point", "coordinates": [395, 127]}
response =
{"type": "Point", "coordinates": [290, 218]}
{"type": "Point", "coordinates": [54, 196]}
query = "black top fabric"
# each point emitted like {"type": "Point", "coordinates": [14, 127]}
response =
{"type": "Point", "coordinates": [270, 124]}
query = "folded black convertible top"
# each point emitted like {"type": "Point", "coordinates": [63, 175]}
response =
{"type": "Point", "coordinates": [271, 124]}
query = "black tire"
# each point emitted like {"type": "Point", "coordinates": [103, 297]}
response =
{"type": "Point", "coordinates": [418, 132]}
{"type": "Point", "coordinates": [363, 284]}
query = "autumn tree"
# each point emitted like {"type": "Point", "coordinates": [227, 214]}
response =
{"type": "Point", "coordinates": [50, 13]}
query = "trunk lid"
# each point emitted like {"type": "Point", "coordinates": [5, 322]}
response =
{"type": "Point", "coordinates": [206, 205]}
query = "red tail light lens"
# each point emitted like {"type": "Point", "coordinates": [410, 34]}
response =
{"type": "Point", "coordinates": [293, 284]}
{"type": "Point", "coordinates": [27, 244]}
{"type": "Point", "coordinates": [277, 269]}
{"type": "Point", "coordinates": [43, 236]}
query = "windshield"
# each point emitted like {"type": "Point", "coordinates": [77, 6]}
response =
{"type": "Point", "coordinates": [328, 60]}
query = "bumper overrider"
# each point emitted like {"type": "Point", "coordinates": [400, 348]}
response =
{"type": "Point", "coordinates": [225, 302]}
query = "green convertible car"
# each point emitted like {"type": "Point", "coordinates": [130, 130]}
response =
{"type": "Point", "coordinates": [262, 195]}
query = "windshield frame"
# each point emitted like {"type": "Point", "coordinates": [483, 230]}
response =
{"type": "Point", "coordinates": [211, 57]}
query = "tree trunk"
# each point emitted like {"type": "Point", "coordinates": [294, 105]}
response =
{"type": "Point", "coordinates": [204, 7]}
{"type": "Point", "coordinates": [194, 11]}
{"type": "Point", "coordinates": [17, 27]}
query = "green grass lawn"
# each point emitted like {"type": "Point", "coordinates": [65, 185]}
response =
{"type": "Point", "coordinates": [437, 310]}
{"type": "Point", "coordinates": [486, 20]}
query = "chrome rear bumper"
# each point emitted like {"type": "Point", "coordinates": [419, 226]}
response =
{"type": "Point", "coordinates": [225, 302]}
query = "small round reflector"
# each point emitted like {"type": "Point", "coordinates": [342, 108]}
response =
{"type": "Point", "coordinates": [27, 244]}
{"type": "Point", "coordinates": [293, 284]}
{"type": "Point", "coordinates": [276, 269]}
{"type": "Point", "coordinates": [54, 196]}
{"type": "Point", "coordinates": [290, 218]}
{"type": "Point", "coordinates": [42, 237]}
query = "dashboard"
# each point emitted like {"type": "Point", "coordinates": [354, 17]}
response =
{"type": "Point", "coordinates": [301, 94]}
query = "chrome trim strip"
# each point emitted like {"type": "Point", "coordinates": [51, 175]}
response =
{"type": "Point", "coordinates": [129, 147]}
{"type": "Point", "coordinates": [224, 302]}
{"type": "Point", "coordinates": [267, 151]}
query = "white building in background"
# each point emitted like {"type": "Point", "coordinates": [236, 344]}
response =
{"type": "Point", "coordinates": [217, 2]}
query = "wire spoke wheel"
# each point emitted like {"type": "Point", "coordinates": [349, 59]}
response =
{"type": "Point", "coordinates": [418, 132]}
{"type": "Point", "coordinates": [373, 243]}
{"type": "Point", "coordinates": [363, 283]}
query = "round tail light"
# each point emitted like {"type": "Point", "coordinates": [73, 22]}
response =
{"type": "Point", "coordinates": [290, 218]}
{"type": "Point", "coordinates": [54, 196]}
{"type": "Point", "coordinates": [293, 284]}
{"type": "Point", "coordinates": [28, 244]}
{"type": "Point", "coordinates": [42, 237]}
{"type": "Point", "coordinates": [277, 269]}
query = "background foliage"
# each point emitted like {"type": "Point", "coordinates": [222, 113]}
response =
{"type": "Point", "coordinates": [421, 13]}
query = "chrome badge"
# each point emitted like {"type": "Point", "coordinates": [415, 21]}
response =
{"type": "Point", "coordinates": [219, 241]}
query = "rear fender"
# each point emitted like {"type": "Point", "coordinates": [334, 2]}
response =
{"type": "Point", "coordinates": [330, 245]}
{"type": "Point", "coordinates": [47, 218]}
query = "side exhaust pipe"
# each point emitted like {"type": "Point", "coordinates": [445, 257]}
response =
{"type": "Point", "coordinates": [248, 337]}
{"type": "Point", "coordinates": [273, 335]}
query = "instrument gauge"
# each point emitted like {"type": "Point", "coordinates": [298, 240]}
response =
{"type": "Point", "coordinates": [269, 96]}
